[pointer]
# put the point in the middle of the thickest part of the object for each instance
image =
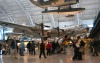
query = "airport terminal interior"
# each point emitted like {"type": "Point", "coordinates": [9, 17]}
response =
{"type": "Point", "coordinates": [49, 31]}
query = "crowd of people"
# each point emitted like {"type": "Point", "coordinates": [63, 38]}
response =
{"type": "Point", "coordinates": [48, 48]}
{"type": "Point", "coordinates": [94, 46]}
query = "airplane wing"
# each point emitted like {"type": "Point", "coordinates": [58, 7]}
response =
{"type": "Point", "coordinates": [65, 11]}
{"type": "Point", "coordinates": [36, 32]}
{"type": "Point", "coordinates": [22, 29]}
{"type": "Point", "coordinates": [13, 25]}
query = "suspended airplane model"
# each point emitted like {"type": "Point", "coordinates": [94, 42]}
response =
{"type": "Point", "coordinates": [38, 32]}
{"type": "Point", "coordinates": [30, 30]}
{"type": "Point", "coordinates": [53, 3]}
{"type": "Point", "coordinates": [60, 4]}
{"type": "Point", "coordinates": [67, 11]}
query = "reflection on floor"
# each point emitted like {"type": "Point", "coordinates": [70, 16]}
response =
{"type": "Point", "coordinates": [56, 58]}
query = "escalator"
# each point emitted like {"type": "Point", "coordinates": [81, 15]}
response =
{"type": "Point", "coordinates": [96, 27]}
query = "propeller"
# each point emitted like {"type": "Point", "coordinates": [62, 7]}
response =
{"type": "Point", "coordinates": [42, 24]}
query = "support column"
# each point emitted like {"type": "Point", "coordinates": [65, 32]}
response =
{"type": "Point", "coordinates": [2, 34]}
{"type": "Point", "coordinates": [77, 16]}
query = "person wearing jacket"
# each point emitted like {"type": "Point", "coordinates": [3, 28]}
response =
{"type": "Point", "coordinates": [82, 45]}
{"type": "Point", "coordinates": [77, 48]}
{"type": "Point", "coordinates": [53, 47]}
{"type": "Point", "coordinates": [29, 47]}
{"type": "Point", "coordinates": [22, 47]}
{"type": "Point", "coordinates": [33, 47]}
{"type": "Point", "coordinates": [48, 48]}
{"type": "Point", "coordinates": [14, 48]}
{"type": "Point", "coordinates": [42, 50]}
{"type": "Point", "coordinates": [95, 47]}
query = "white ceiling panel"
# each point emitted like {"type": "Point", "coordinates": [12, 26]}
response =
{"type": "Point", "coordinates": [23, 11]}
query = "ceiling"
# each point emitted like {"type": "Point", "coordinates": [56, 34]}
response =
{"type": "Point", "coordinates": [23, 12]}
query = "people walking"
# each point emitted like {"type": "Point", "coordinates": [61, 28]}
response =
{"type": "Point", "coordinates": [53, 47]}
{"type": "Point", "coordinates": [14, 48]}
{"type": "Point", "coordinates": [22, 48]}
{"type": "Point", "coordinates": [29, 47]}
{"type": "Point", "coordinates": [95, 47]}
{"type": "Point", "coordinates": [33, 47]}
{"type": "Point", "coordinates": [42, 50]}
{"type": "Point", "coordinates": [77, 49]}
{"type": "Point", "coordinates": [82, 45]}
{"type": "Point", "coordinates": [48, 48]}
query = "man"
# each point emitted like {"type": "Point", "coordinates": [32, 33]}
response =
{"type": "Point", "coordinates": [95, 47]}
{"type": "Point", "coordinates": [22, 47]}
{"type": "Point", "coordinates": [33, 47]}
{"type": "Point", "coordinates": [64, 43]}
{"type": "Point", "coordinates": [82, 45]}
{"type": "Point", "coordinates": [77, 52]}
{"type": "Point", "coordinates": [42, 50]}
{"type": "Point", "coordinates": [29, 47]}
{"type": "Point", "coordinates": [14, 48]}
{"type": "Point", "coordinates": [53, 47]}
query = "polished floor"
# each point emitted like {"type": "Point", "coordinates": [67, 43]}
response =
{"type": "Point", "coordinates": [56, 58]}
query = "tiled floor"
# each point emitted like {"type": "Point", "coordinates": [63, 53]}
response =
{"type": "Point", "coordinates": [57, 58]}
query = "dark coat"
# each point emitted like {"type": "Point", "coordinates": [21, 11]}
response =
{"type": "Point", "coordinates": [29, 45]}
{"type": "Point", "coordinates": [14, 45]}
{"type": "Point", "coordinates": [33, 45]}
{"type": "Point", "coordinates": [42, 46]}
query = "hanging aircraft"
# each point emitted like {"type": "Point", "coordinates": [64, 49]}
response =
{"type": "Point", "coordinates": [22, 29]}
{"type": "Point", "coordinates": [53, 3]}
{"type": "Point", "coordinates": [64, 11]}
{"type": "Point", "coordinates": [38, 30]}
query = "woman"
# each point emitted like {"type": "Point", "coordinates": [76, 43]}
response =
{"type": "Point", "coordinates": [48, 48]}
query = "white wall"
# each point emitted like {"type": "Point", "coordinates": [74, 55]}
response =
{"type": "Point", "coordinates": [63, 24]}
{"type": "Point", "coordinates": [73, 23]}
